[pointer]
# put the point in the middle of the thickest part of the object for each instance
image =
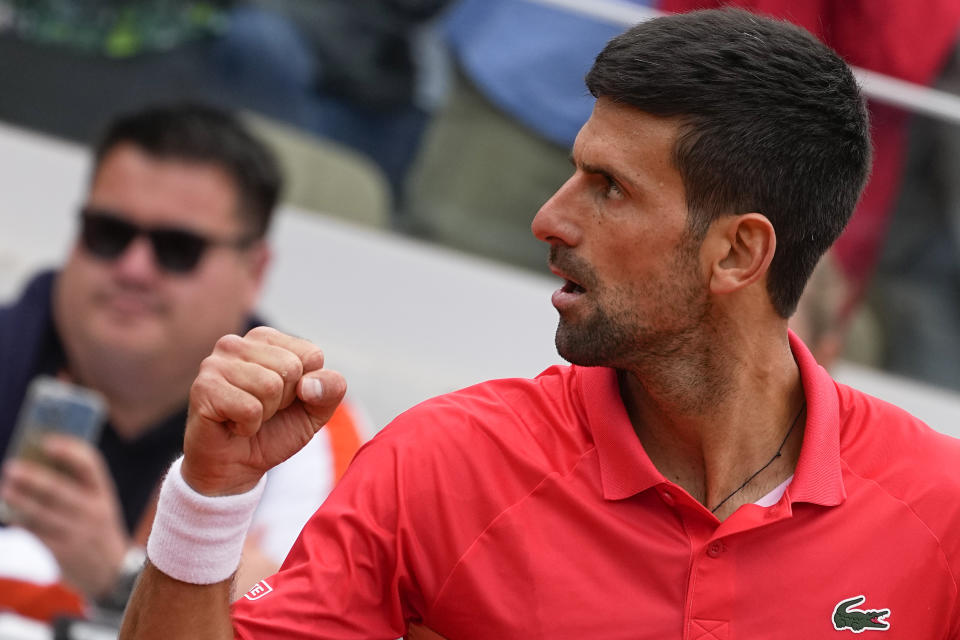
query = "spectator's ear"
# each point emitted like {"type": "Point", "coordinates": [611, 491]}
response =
{"type": "Point", "coordinates": [257, 259]}
{"type": "Point", "coordinates": [739, 249]}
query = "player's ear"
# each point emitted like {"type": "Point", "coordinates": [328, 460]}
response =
{"type": "Point", "coordinates": [742, 247]}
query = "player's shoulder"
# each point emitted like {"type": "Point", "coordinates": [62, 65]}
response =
{"type": "Point", "coordinates": [510, 414]}
{"type": "Point", "coordinates": [899, 452]}
{"type": "Point", "coordinates": [863, 416]}
{"type": "Point", "coordinates": [553, 385]}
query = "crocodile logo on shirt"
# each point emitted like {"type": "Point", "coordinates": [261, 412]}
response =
{"type": "Point", "coordinates": [859, 620]}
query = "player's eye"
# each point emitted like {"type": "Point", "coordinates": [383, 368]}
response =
{"type": "Point", "coordinates": [610, 188]}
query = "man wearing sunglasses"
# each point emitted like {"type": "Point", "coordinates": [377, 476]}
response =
{"type": "Point", "coordinates": [170, 256]}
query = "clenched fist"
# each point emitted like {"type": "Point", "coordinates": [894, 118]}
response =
{"type": "Point", "coordinates": [256, 401]}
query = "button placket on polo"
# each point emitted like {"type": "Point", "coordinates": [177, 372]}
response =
{"type": "Point", "coordinates": [711, 584]}
{"type": "Point", "coordinates": [712, 591]}
{"type": "Point", "coordinates": [710, 596]}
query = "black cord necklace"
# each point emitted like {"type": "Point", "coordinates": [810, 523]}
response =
{"type": "Point", "coordinates": [770, 462]}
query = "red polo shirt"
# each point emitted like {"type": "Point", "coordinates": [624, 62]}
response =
{"type": "Point", "coordinates": [528, 509]}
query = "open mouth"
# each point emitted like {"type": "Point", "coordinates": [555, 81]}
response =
{"type": "Point", "coordinates": [569, 286]}
{"type": "Point", "coordinates": [572, 293]}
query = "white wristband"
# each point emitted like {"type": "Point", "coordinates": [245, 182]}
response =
{"type": "Point", "coordinates": [197, 538]}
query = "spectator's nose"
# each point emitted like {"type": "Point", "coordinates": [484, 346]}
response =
{"type": "Point", "coordinates": [137, 262]}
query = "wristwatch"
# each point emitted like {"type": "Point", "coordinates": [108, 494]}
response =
{"type": "Point", "coordinates": [130, 568]}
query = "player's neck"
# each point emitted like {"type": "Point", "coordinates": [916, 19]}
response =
{"type": "Point", "coordinates": [710, 442]}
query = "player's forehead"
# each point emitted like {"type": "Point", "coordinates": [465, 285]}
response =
{"type": "Point", "coordinates": [623, 140]}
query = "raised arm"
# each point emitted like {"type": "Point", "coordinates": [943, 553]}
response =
{"type": "Point", "coordinates": [256, 401]}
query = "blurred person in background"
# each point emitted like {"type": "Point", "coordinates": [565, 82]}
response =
{"type": "Point", "coordinates": [171, 255]}
{"type": "Point", "coordinates": [367, 75]}
{"type": "Point", "coordinates": [916, 294]}
{"type": "Point", "coordinates": [103, 58]}
{"type": "Point", "coordinates": [364, 74]}
{"type": "Point", "coordinates": [499, 146]}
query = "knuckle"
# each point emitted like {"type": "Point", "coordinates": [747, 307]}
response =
{"type": "Point", "coordinates": [261, 332]}
{"type": "Point", "coordinates": [292, 366]}
{"type": "Point", "coordinates": [204, 379]}
{"type": "Point", "coordinates": [250, 410]}
{"type": "Point", "coordinates": [207, 364]}
{"type": "Point", "coordinates": [314, 358]}
{"type": "Point", "coordinates": [204, 386]}
{"type": "Point", "coordinates": [273, 384]}
{"type": "Point", "coordinates": [230, 343]}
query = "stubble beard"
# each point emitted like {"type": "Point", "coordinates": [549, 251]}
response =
{"type": "Point", "coordinates": [619, 333]}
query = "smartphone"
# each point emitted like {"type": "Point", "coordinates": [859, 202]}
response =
{"type": "Point", "coordinates": [53, 406]}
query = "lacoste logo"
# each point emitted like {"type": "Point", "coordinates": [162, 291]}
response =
{"type": "Point", "coordinates": [859, 620]}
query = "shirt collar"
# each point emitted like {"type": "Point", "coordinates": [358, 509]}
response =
{"type": "Point", "coordinates": [818, 477]}
{"type": "Point", "coordinates": [626, 470]}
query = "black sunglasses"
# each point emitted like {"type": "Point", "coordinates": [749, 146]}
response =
{"type": "Point", "coordinates": [107, 235]}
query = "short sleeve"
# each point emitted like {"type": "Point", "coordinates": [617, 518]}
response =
{"type": "Point", "coordinates": [345, 576]}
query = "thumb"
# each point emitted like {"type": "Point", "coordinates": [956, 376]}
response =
{"type": "Point", "coordinates": [321, 391]}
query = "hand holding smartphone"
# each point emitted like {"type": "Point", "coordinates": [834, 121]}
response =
{"type": "Point", "coordinates": [53, 406]}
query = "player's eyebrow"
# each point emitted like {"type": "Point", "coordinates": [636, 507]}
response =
{"type": "Point", "coordinates": [600, 171]}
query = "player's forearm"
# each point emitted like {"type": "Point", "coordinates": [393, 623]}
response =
{"type": "Point", "coordinates": [164, 608]}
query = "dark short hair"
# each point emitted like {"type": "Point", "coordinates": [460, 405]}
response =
{"type": "Point", "coordinates": [772, 122]}
{"type": "Point", "coordinates": [201, 133]}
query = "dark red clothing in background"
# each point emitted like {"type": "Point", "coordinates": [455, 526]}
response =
{"type": "Point", "coordinates": [903, 39]}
